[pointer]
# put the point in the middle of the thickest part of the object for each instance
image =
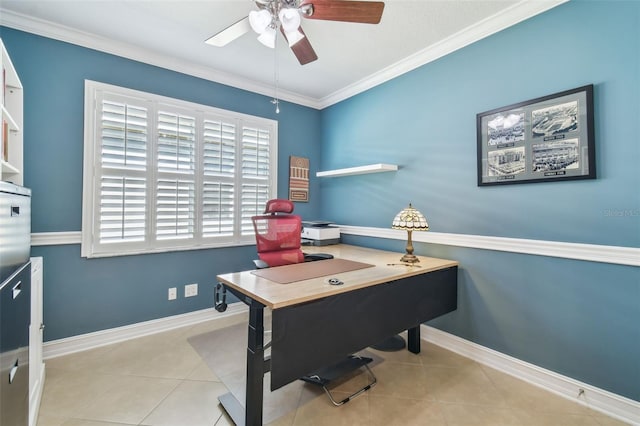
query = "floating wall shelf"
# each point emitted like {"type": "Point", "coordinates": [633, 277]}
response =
{"type": "Point", "coordinates": [360, 170]}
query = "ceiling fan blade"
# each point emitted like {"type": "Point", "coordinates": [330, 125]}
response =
{"type": "Point", "coordinates": [230, 33]}
{"type": "Point", "coordinates": [366, 12]}
{"type": "Point", "coordinates": [302, 49]}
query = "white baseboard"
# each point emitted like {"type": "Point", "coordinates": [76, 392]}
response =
{"type": "Point", "coordinates": [613, 405]}
{"type": "Point", "coordinates": [597, 399]}
{"type": "Point", "coordinates": [96, 339]}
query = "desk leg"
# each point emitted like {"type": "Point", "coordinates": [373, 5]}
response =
{"type": "Point", "coordinates": [255, 366]}
{"type": "Point", "coordinates": [413, 340]}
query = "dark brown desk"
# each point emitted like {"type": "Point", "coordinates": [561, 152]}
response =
{"type": "Point", "coordinates": [315, 324]}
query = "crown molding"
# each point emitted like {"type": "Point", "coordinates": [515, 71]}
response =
{"type": "Point", "coordinates": [515, 14]}
{"type": "Point", "coordinates": [91, 41]}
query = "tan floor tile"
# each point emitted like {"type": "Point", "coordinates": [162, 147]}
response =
{"type": "Point", "coordinates": [154, 358]}
{"type": "Point", "coordinates": [286, 420]}
{"type": "Point", "coordinates": [191, 403]}
{"type": "Point", "coordinates": [163, 380]}
{"type": "Point", "coordinates": [389, 411]}
{"type": "Point", "coordinates": [217, 323]}
{"type": "Point", "coordinates": [128, 399]}
{"type": "Point", "coordinates": [224, 420]}
{"type": "Point", "coordinates": [203, 372]}
{"type": "Point", "coordinates": [83, 422]}
{"type": "Point", "coordinates": [47, 420]}
{"type": "Point", "coordinates": [538, 418]}
{"type": "Point", "coordinates": [402, 381]}
{"type": "Point", "coordinates": [466, 393]}
{"type": "Point", "coordinates": [81, 361]}
{"type": "Point", "coordinates": [467, 384]}
{"type": "Point", "coordinates": [321, 412]}
{"type": "Point", "coordinates": [466, 414]}
{"type": "Point", "coordinates": [66, 393]}
{"type": "Point", "coordinates": [435, 356]}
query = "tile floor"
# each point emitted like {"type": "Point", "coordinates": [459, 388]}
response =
{"type": "Point", "coordinates": [161, 380]}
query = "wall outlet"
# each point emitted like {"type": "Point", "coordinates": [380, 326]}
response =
{"type": "Point", "coordinates": [173, 293]}
{"type": "Point", "coordinates": [190, 290]}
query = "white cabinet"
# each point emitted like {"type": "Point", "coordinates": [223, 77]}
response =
{"type": "Point", "coordinates": [36, 366]}
{"type": "Point", "coordinates": [11, 135]}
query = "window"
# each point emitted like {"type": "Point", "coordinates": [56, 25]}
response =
{"type": "Point", "coordinates": [163, 174]}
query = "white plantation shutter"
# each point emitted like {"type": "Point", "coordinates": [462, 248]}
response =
{"type": "Point", "coordinates": [176, 142]}
{"type": "Point", "coordinates": [254, 199]}
{"type": "Point", "coordinates": [122, 209]}
{"type": "Point", "coordinates": [175, 186]}
{"type": "Point", "coordinates": [123, 155]}
{"type": "Point", "coordinates": [124, 135]}
{"type": "Point", "coordinates": [162, 174]}
{"type": "Point", "coordinates": [175, 209]}
{"type": "Point", "coordinates": [217, 209]}
{"type": "Point", "coordinates": [256, 174]}
{"type": "Point", "coordinates": [219, 158]}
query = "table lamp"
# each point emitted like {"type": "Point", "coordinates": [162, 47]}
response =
{"type": "Point", "coordinates": [410, 220]}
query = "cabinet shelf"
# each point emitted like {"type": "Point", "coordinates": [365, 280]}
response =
{"type": "Point", "coordinates": [360, 170]}
{"type": "Point", "coordinates": [7, 168]}
{"type": "Point", "coordinates": [11, 121]}
{"type": "Point", "coordinates": [6, 116]}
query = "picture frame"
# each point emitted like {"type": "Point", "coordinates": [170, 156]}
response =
{"type": "Point", "coordinates": [550, 138]}
{"type": "Point", "coordinates": [298, 179]}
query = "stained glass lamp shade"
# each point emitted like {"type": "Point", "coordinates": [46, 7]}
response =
{"type": "Point", "coordinates": [410, 219]}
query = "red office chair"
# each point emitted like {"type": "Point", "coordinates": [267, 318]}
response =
{"type": "Point", "coordinates": [278, 235]}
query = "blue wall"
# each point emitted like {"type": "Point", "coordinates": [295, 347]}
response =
{"type": "Point", "coordinates": [577, 318]}
{"type": "Point", "coordinates": [85, 295]}
{"type": "Point", "coordinates": [574, 317]}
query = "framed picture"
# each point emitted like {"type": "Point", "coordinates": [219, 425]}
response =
{"type": "Point", "coordinates": [298, 179]}
{"type": "Point", "coordinates": [544, 139]}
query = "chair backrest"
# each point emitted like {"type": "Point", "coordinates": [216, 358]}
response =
{"type": "Point", "coordinates": [278, 234]}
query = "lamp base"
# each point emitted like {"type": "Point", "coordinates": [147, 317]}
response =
{"type": "Point", "coordinates": [409, 258]}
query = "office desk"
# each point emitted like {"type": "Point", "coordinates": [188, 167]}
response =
{"type": "Point", "coordinates": [316, 324]}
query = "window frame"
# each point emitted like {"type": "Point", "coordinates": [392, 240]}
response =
{"type": "Point", "coordinates": [93, 172]}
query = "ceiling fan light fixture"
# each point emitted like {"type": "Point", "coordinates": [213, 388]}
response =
{"type": "Point", "coordinates": [306, 9]}
{"type": "Point", "coordinates": [268, 37]}
{"type": "Point", "coordinates": [293, 37]}
{"type": "Point", "coordinates": [290, 19]}
{"type": "Point", "coordinates": [260, 20]}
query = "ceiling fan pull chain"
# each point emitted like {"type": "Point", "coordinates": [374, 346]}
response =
{"type": "Point", "coordinates": [276, 78]}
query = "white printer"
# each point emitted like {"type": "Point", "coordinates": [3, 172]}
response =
{"type": "Point", "coordinates": [320, 233]}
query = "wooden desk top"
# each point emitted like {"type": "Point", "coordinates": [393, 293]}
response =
{"type": "Point", "coordinates": [387, 268]}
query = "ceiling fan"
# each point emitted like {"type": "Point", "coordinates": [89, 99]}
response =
{"type": "Point", "coordinates": [286, 14]}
